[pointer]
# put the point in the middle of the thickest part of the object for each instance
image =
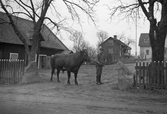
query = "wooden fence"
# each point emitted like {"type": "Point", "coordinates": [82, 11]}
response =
{"type": "Point", "coordinates": [151, 75]}
{"type": "Point", "coordinates": [11, 71]}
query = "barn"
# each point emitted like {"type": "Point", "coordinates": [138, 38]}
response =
{"type": "Point", "coordinates": [115, 50]}
{"type": "Point", "coordinates": [11, 46]}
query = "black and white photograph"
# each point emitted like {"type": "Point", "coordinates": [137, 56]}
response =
{"type": "Point", "coordinates": [83, 56]}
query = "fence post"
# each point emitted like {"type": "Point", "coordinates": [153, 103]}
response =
{"type": "Point", "coordinates": [162, 75]}
{"type": "Point", "coordinates": [3, 70]}
{"type": "Point", "coordinates": [144, 75]}
{"type": "Point", "coordinates": [0, 70]}
{"type": "Point", "coordinates": [147, 75]}
{"type": "Point", "coordinates": [14, 73]}
{"type": "Point", "coordinates": [136, 75]}
{"type": "Point", "coordinates": [7, 66]}
{"type": "Point", "coordinates": [166, 75]}
{"type": "Point", "coordinates": [140, 69]}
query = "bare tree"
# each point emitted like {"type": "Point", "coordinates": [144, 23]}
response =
{"type": "Point", "coordinates": [78, 41]}
{"type": "Point", "coordinates": [153, 10]}
{"type": "Point", "coordinates": [130, 41]}
{"type": "Point", "coordinates": [125, 39]}
{"type": "Point", "coordinates": [92, 52]}
{"type": "Point", "coordinates": [102, 36]}
{"type": "Point", "coordinates": [37, 13]}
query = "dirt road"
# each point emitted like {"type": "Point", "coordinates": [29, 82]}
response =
{"type": "Point", "coordinates": [86, 98]}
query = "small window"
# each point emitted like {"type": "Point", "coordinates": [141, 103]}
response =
{"type": "Point", "coordinates": [111, 42]}
{"type": "Point", "coordinates": [110, 50]}
{"type": "Point", "coordinates": [13, 56]}
{"type": "Point", "coordinates": [147, 52]}
{"type": "Point", "coordinates": [146, 40]}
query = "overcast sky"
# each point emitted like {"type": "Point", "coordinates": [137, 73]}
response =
{"type": "Point", "coordinates": [113, 27]}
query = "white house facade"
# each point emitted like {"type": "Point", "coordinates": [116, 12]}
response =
{"type": "Point", "coordinates": [145, 52]}
{"type": "Point", "coordinates": [145, 47]}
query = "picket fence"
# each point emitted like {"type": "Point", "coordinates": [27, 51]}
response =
{"type": "Point", "coordinates": [11, 71]}
{"type": "Point", "coordinates": [151, 75]}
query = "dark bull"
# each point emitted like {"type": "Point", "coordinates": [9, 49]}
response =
{"type": "Point", "coordinates": [69, 62]}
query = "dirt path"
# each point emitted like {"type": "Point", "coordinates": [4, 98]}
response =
{"type": "Point", "coordinates": [23, 104]}
{"type": "Point", "coordinates": [87, 98]}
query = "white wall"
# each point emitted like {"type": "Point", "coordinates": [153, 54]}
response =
{"type": "Point", "coordinates": [143, 54]}
{"type": "Point", "coordinates": [143, 51]}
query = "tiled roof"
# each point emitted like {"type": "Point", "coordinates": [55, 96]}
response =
{"type": "Point", "coordinates": [120, 42]}
{"type": "Point", "coordinates": [144, 40]}
{"type": "Point", "coordinates": [7, 34]}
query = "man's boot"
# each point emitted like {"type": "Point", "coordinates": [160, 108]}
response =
{"type": "Point", "coordinates": [97, 80]}
{"type": "Point", "coordinates": [100, 80]}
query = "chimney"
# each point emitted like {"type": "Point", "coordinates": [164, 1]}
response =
{"type": "Point", "coordinates": [115, 36]}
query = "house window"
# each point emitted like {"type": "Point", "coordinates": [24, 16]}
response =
{"type": "Point", "coordinates": [110, 50]}
{"type": "Point", "coordinates": [146, 40]}
{"type": "Point", "coordinates": [147, 52]}
{"type": "Point", "coordinates": [111, 42]}
{"type": "Point", "coordinates": [13, 56]}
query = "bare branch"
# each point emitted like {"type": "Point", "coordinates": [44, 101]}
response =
{"type": "Point", "coordinates": [102, 36]}
{"type": "Point", "coordinates": [21, 13]}
{"type": "Point", "coordinates": [33, 10]}
{"type": "Point", "coordinates": [128, 10]}
{"type": "Point", "coordinates": [15, 27]}
{"type": "Point", "coordinates": [57, 13]}
{"type": "Point", "coordinates": [22, 4]}
{"type": "Point", "coordinates": [78, 41]}
{"type": "Point", "coordinates": [54, 23]}
{"type": "Point", "coordinates": [89, 11]}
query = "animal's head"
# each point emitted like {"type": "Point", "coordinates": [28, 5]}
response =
{"type": "Point", "coordinates": [85, 55]}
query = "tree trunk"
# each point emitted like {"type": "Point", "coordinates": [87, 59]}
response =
{"type": "Point", "coordinates": [31, 74]}
{"type": "Point", "coordinates": [157, 41]}
{"type": "Point", "coordinates": [158, 46]}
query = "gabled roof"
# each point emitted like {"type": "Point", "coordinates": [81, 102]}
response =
{"type": "Point", "coordinates": [144, 40]}
{"type": "Point", "coordinates": [118, 41]}
{"type": "Point", "coordinates": [7, 34]}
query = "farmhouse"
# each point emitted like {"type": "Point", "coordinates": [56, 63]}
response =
{"type": "Point", "coordinates": [11, 46]}
{"type": "Point", "coordinates": [115, 49]}
{"type": "Point", "coordinates": [145, 47]}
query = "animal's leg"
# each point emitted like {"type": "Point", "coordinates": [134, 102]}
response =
{"type": "Point", "coordinates": [52, 72]}
{"type": "Point", "coordinates": [75, 75]}
{"type": "Point", "coordinates": [69, 75]}
{"type": "Point", "coordinates": [58, 71]}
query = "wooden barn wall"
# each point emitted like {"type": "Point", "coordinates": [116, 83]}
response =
{"type": "Point", "coordinates": [6, 49]}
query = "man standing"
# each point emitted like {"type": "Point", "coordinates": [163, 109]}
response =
{"type": "Point", "coordinates": [99, 65]}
